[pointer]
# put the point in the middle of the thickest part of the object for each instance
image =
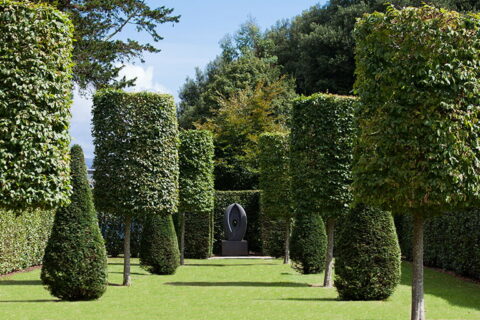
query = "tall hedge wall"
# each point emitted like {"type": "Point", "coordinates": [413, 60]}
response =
{"type": "Point", "coordinates": [275, 201]}
{"type": "Point", "coordinates": [113, 232]}
{"type": "Point", "coordinates": [23, 238]}
{"type": "Point", "coordinates": [452, 241]}
{"type": "Point", "coordinates": [197, 191]}
{"type": "Point", "coordinates": [250, 201]}
{"type": "Point", "coordinates": [35, 98]}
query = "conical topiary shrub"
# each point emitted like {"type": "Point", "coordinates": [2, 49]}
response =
{"type": "Point", "coordinates": [75, 261]}
{"type": "Point", "coordinates": [308, 244]}
{"type": "Point", "coordinates": [159, 252]}
{"type": "Point", "coordinates": [367, 265]}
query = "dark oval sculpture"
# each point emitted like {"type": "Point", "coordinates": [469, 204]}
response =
{"type": "Point", "coordinates": [235, 222]}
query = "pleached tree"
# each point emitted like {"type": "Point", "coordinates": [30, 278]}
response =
{"type": "Point", "coordinates": [136, 159]}
{"type": "Point", "coordinates": [417, 152]}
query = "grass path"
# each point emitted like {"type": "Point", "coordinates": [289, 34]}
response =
{"type": "Point", "coordinates": [232, 289]}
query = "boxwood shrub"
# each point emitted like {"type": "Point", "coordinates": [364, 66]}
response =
{"type": "Point", "coordinates": [197, 191]}
{"type": "Point", "coordinates": [35, 98]}
{"type": "Point", "coordinates": [367, 265]}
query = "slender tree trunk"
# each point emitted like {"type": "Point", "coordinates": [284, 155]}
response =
{"type": "Point", "coordinates": [418, 304]}
{"type": "Point", "coordinates": [126, 252]}
{"type": "Point", "coordinates": [286, 256]}
{"type": "Point", "coordinates": [182, 238]}
{"type": "Point", "coordinates": [327, 281]}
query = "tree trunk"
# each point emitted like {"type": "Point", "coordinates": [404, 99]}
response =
{"type": "Point", "coordinates": [182, 238]}
{"type": "Point", "coordinates": [126, 252]}
{"type": "Point", "coordinates": [418, 304]}
{"type": "Point", "coordinates": [327, 281]}
{"type": "Point", "coordinates": [286, 256]}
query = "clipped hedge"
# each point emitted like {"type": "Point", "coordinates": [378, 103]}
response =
{"type": "Point", "coordinates": [197, 191]}
{"type": "Point", "coordinates": [250, 201]}
{"type": "Point", "coordinates": [275, 183]}
{"type": "Point", "coordinates": [35, 98]}
{"type": "Point", "coordinates": [452, 241]}
{"type": "Point", "coordinates": [23, 238]}
{"type": "Point", "coordinates": [367, 265]}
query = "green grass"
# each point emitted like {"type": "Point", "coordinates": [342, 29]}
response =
{"type": "Point", "coordinates": [232, 289]}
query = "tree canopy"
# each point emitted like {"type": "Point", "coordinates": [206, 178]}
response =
{"type": "Point", "coordinates": [99, 53]}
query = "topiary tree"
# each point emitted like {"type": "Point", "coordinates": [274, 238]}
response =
{"type": "Point", "coordinates": [75, 260]}
{"type": "Point", "coordinates": [308, 243]}
{"type": "Point", "coordinates": [275, 182]}
{"type": "Point", "coordinates": [197, 193]}
{"type": "Point", "coordinates": [367, 265]}
{"type": "Point", "coordinates": [330, 142]}
{"type": "Point", "coordinates": [159, 252]}
{"type": "Point", "coordinates": [417, 152]}
{"type": "Point", "coordinates": [35, 97]}
{"type": "Point", "coordinates": [136, 157]}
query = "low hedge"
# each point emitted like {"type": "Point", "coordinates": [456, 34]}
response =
{"type": "Point", "coordinates": [250, 201]}
{"type": "Point", "coordinates": [23, 238]}
{"type": "Point", "coordinates": [452, 241]}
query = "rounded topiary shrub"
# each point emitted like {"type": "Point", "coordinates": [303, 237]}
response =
{"type": "Point", "coordinates": [75, 261]}
{"type": "Point", "coordinates": [308, 244]}
{"type": "Point", "coordinates": [159, 252]}
{"type": "Point", "coordinates": [367, 265]}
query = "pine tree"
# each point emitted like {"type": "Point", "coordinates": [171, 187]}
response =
{"type": "Point", "coordinates": [75, 261]}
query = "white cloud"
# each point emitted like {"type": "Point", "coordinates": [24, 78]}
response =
{"type": "Point", "coordinates": [144, 80]}
{"type": "Point", "coordinates": [81, 127]}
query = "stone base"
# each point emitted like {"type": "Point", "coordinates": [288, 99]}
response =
{"type": "Point", "coordinates": [234, 248]}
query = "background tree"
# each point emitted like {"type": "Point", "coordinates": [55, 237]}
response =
{"type": "Point", "coordinates": [136, 158]}
{"type": "Point", "coordinates": [98, 52]}
{"type": "Point", "coordinates": [367, 265]}
{"type": "Point", "coordinates": [75, 261]}
{"type": "Point", "coordinates": [275, 183]}
{"type": "Point", "coordinates": [417, 151]}
{"type": "Point", "coordinates": [35, 98]}
{"type": "Point", "coordinates": [196, 193]}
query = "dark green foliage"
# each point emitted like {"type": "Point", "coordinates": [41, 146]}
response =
{"type": "Point", "coordinates": [418, 141]}
{"type": "Point", "coordinates": [197, 191]}
{"type": "Point", "coordinates": [159, 247]}
{"type": "Point", "coordinates": [113, 232]}
{"type": "Point", "coordinates": [452, 241]}
{"type": "Point", "coordinates": [367, 265]}
{"type": "Point", "coordinates": [250, 201]}
{"type": "Point", "coordinates": [75, 261]}
{"type": "Point", "coordinates": [35, 97]}
{"type": "Point", "coordinates": [23, 237]}
{"type": "Point", "coordinates": [136, 157]}
{"type": "Point", "coordinates": [275, 183]}
{"type": "Point", "coordinates": [308, 244]}
{"type": "Point", "coordinates": [99, 48]}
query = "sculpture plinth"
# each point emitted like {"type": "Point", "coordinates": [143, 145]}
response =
{"type": "Point", "coordinates": [235, 225]}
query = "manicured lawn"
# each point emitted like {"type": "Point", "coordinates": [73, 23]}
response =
{"type": "Point", "coordinates": [232, 289]}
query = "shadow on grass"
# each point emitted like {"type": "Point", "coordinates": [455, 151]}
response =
{"type": "Point", "coordinates": [20, 283]}
{"type": "Point", "coordinates": [121, 264]}
{"type": "Point", "coordinates": [309, 299]}
{"type": "Point", "coordinates": [134, 273]}
{"type": "Point", "coordinates": [456, 291]}
{"type": "Point", "coordinates": [24, 301]}
{"type": "Point", "coordinates": [227, 265]}
{"type": "Point", "coordinates": [238, 284]}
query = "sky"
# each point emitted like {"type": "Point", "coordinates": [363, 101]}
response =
{"type": "Point", "coordinates": [193, 42]}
